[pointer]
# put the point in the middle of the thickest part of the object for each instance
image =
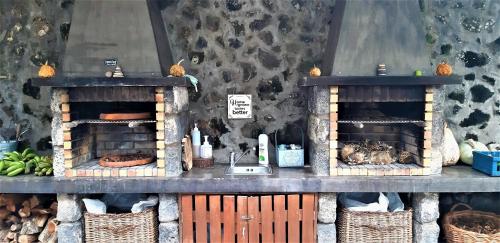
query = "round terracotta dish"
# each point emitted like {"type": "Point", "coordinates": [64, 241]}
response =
{"type": "Point", "coordinates": [126, 160]}
{"type": "Point", "coordinates": [124, 116]}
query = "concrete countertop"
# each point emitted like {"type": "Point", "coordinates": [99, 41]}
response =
{"type": "Point", "coordinates": [283, 180]}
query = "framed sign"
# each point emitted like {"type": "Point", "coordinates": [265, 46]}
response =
{"type": "Point", "coordinates": [239, 106]}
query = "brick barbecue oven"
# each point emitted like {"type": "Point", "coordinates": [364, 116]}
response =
{"type": "Point", "coordinates": [81, 92]}
{"type": "Point", "coordinates": [364, 124]}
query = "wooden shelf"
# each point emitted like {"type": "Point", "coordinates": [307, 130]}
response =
{"type": "Point", "coordinates": [75, 82]}
{"type": "Point", "coordinates": [379, 80]}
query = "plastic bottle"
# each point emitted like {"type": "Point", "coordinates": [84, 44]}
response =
{"type": "Point", "coordinates": [263, 150]}
{"type": "Point", "coordinates": [196, 136]}
{"type": "Point", "coordinates": [206, 149]}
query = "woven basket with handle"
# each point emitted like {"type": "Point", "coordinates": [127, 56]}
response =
{"type": "Point", "coordinates": [123, 228]}
{"type": "Point", "coordinates": [455, 234]}
{"type": "Point", "coordinates": [375, 226]}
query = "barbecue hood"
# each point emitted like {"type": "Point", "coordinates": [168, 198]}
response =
{"type": "Point", "coordinates": [369, 33]}
{"type": "Point", "coordinates": [128, 32]}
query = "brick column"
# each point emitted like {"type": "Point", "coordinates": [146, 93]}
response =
{"type": "Point", "coordinates": [438, 102]}
{"type": "Point", "coordinates": [318, 129]}
{"type": "Point", "coordinates": [176, 120]}
{"type": "Point", "coordinates": [58, 98]}
{"type": "Point", "coordinates": [327, 214]}
{"type": "Point", "coordinates": [425, 215]}
{"type": "Point", "coordinates": [168, 215]}
{"type": "Point", "coordinates": [69, 214]}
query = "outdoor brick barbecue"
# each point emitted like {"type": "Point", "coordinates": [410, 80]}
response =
{"type": "Point", "coordinates": [80, 138]}
{"type": "Point", "coordinates": [117, 74]}
{"type": "Point", "coordinates": [363, 124]}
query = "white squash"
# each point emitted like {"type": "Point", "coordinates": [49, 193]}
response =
{"type": "Point", "coordinates": [451, 151]}
{"type": "Point", "coordinates": [466, 148]}
{"type": "Point", "coordinates": [494, 147]}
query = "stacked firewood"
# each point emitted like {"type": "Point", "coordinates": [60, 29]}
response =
{"type": "Point", "coordinates": [25, 219]}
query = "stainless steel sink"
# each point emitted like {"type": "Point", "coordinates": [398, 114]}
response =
{"type": "Point", "coordinates": [249, 170]}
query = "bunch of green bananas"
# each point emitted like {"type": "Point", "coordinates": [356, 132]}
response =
{"type": "Point", "coordinates": [15, 163]}
{"type": "Point", "coordinates": [43, 165]}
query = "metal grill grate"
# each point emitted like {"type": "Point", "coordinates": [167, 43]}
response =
{"type": "Point", "coordinates": [131, 123]}
{"type": "Point", "coordinates": [381, 121]}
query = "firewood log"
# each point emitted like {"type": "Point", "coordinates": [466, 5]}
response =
{"type": "Point", "coordinates": [25, 212]}
{"type": "Point", "coordinates": [39, 210]}
{"type": "Point", "coordinates": [52, 225]}
{"type": "Point", "coordinates": [15, 227]}
{"type": "Point", "coordinates": [11, 205]}
{"type": "Point", "coordinates": [3, 235]}
{"type": "Point", "coordinates": [4, 213]}
{"type": "Point", "coordinates": [34, 201]}
{"type": "Point", "coordinates": [2, 202]}
{"type": "Point", "coordinates": [49, 233]}
{"type": "Point", "coordinates": [12, 235]}
{"type": "Point", "coordinates": [26, 238]}
{"type": "Point", "coordinates": [26, 204]}
{"type": "Point", "coordinates": [12, 219]}
{"type": "Point", "coordinates": [41, 219]}
{"type": "Point", "coordinates": [53, 208]}
{"type": "Point", "coordinates": [29, 227]}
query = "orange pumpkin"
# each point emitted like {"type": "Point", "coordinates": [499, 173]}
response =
{"type": "Point", "coordinates": [444, 69]}
{"type": "Point", "coordinates": [315, 72]}
{"type": "Point", "coordinates": [46, 71]}
{"type": "Point", "coordinates": [177, 70]}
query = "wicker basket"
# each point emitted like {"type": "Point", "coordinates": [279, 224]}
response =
{"type": "Point", "coordinates": [455, 234]}
{"type": "Point", "coordinates": [123, 228]}
{"type": "Point", "coordinates": [375, 226]}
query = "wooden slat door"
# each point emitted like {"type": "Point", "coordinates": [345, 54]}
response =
{"type": "Point", "coordinates": [243, 219]}
{"type": "Point", "coordinates": [229, 219]}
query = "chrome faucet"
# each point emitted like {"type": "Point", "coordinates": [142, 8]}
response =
{"type": "Point", "coordinates": [232, 156]}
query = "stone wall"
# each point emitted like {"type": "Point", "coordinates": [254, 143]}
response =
{"type": "Point", "coordinates": [259, 47]}
{"type": "Point", "coordinates": [467, 35]}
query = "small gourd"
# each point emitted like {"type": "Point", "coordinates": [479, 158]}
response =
{"type": "Point", "coordinates": [315, 72]}
{"type": "Point", "coordinates": [444, 69]}
{"type": "Point", "coordinates": [177, 70]}
{"type": "Point", "coordinates": [46, 71]}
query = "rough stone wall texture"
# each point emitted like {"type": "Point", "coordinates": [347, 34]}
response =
{"type": "Point", "coordinates": [467, 35]}
{"type": "Point", "coordinates": [259, 47]}
{"type": "Point", "coordinates": [31, 33]}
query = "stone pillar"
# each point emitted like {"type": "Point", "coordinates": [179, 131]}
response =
{"type": "Point", "coordinates": [425, 215]}
{"type": "Point", "coordinates": [168, 215]}
{"type": "Point", "coordinates": [57, 96]}
{"type": "Point", "coordinates": [318, 130]}
{"type": "Point", "coordinates": [437, 130]}
{"type": "Point", "coordinates": [176, 120]}
{"type": "Point", "coordinates": [327, 214]}
{"type": "Point", "coordinates": [69, 213]}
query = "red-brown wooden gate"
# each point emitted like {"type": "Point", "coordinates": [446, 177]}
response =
{"type": "Point", "coordinates": [241, 219]}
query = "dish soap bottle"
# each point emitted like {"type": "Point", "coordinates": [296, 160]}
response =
{"type": "Point", "coordinates": [195, 134]}
{"type": "Point", "coordinates": [263, 150]}
{"type": "Point", "coordinates": [206, 149]}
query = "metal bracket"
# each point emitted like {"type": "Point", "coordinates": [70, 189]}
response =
{"type": "Point", "coordinates": [246, 217]}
